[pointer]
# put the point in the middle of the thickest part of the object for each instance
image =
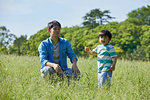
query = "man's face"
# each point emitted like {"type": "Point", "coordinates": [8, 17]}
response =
{"type": "Point", "coordinates": [55, 31]}
{"type": "Point", "coordinates": [104, 39]}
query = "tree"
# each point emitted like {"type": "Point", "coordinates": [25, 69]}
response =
{"type": "Point", "coordinates": [19, 42]}
{"type": "Point", "coordinates": [96, 17]}
{"type": "Point", "coordinates": [145, 40]}
{"type": "Point", "coordinates": [6, 38]}
{"type": "Point", "coordinates": [141, 16]}
{"type": "Point", "coordinates": [128, 35]}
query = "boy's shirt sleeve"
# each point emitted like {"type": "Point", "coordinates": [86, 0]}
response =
{"type": "Point", "coordinates": [112, 52]}
{"type": "Point", "coordinates": [95, 49]}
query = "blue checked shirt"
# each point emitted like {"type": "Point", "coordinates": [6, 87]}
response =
{"type": "Point", "coordinates": [46, 52]}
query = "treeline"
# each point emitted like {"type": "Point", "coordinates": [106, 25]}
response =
{"type": "Point", "coordinates": [131, 37]}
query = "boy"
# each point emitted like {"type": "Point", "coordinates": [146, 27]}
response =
{"type": "Point", "coordinates": [105, 52]}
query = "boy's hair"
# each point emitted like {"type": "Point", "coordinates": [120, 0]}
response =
{"type": "Point", "coordinates": [105, 33]}
{"type": "Point", "coordinates": [53, 24]}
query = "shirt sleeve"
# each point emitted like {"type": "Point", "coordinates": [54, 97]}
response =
{"type": "Point", "coordinates": [95, 49]}
{"type": "Point", "coordinates": [112, 52]}
{"type": "Point", "coordinates": [70, 52]}
{"type": "Point", "coordinates": [43, 54]}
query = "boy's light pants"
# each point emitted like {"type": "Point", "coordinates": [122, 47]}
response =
{"type": "Point", "coordinates": [104, 79]}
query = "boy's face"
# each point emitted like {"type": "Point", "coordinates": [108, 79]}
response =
{"type": "Point", "coordinates": [55, 31]}
{"type": "Point", "coordinates": [104, 39]}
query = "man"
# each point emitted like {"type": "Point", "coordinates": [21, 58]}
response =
{"type": "Point", "coordinates": [54, 51]}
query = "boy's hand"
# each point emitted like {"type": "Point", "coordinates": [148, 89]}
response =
{"type": "Point", "coordinates": [112, 68]}
{"type": "Point", "coordinates": [87, 49]}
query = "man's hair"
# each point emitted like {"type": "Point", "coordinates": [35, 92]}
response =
{"type": "Point", "coordinates": [105, 33]}
{"type": "Point", "coordinates": [53, 23]}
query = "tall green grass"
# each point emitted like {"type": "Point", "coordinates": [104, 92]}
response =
{"type": "Point", "coordinates": [20, 80]}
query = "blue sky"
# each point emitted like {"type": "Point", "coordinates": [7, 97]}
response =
{"type": "Point", "coordinates": [29, 16]}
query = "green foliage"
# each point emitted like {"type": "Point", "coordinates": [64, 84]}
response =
{"type": "Point", "coordinates": [145, 40]}
{"type": "Point", "coordinates": [6, 38]}
{"type": "Point", "coordinates": [19, 42]}
{"type": "Point", "coordinates": [141, 16]}
{"type": "Point", "coordinates": [137, 54]}
{"type": "Point", "coordinates": [125, 37]}
{"type": "Point", "coordinates": [31, 46]}
{"type": "Point", "coordinates": [128, 37]}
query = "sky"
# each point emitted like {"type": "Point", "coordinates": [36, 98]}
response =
{"type": "Point", "coordinates": [27, 17]}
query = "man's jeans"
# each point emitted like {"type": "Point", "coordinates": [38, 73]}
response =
{"type": "Point", "coordinates": [48, 70]}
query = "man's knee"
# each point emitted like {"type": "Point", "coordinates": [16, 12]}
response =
{"type": "Point", "coordinates": [47, 70]}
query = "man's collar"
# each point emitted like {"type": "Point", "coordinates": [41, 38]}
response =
{"type": "Point", "coordinates": [59, 39]}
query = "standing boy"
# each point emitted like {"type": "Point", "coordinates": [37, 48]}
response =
{"type": "Point", "coordinates": [106, 58]}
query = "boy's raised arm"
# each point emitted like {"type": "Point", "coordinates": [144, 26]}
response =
{"type": "Point", "coordinates": [87, 49]}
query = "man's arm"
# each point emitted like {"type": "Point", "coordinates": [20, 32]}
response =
{"type": "Point", "coordinates": [56, 67]}
{"type": "Point", "coordinates": [73, 58]}
{"type": "Point", "coordinates": [74, 66]}
{"type": "Point", "coordinates": [43, 54]}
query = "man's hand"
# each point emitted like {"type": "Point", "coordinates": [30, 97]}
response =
{"type": "Point", "coordinates": [75, 69]}
{"type": "Point", "coordinates": [57, 68]}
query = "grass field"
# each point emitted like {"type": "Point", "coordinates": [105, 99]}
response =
{"type": "Point", "coordinates": [20, 80]}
